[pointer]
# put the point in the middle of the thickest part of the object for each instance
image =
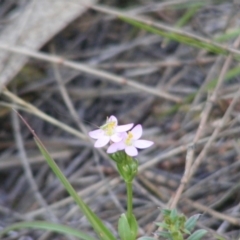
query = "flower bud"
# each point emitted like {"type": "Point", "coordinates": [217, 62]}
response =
{"type": "Point", "coordinates": [126, 165]}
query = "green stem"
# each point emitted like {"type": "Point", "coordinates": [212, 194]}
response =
{"type": "Point", "coordinates": [129, 199]}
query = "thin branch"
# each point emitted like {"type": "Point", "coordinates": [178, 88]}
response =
{"type": "Point", "coordinates": [199, 206]}
{"type": "Point", "coordinates": [190, 168]}
{"type": "Point", "coordinates": [41, 114]}
{"type": "Point", "coordinates": [87, 69]}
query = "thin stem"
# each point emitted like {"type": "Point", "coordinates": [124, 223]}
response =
{"type": "Point", "coordinates": [129, 199]}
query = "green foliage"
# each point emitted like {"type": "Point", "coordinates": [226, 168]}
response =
{"type": "Point", "coordinates": [126, 165]}
{"type": "Point", "coordinates": [179, 37]}
{"type": "Point", "coordinates": [133, 226]}
{"type": "Point", "coordinates": [166, 235]}
{"type": "Point", "coordinates": [127, 228]}
{"type": "Point", "coordinates": [197, 235]}
{"type": "Point", "coordinates": [127, 168]}
{"type": "Point", "coordinates": [124, 228]}
{"type": "Point", "coordinates": [175, 226]}
{"type": "Point", "coordinates": [145, 238]}
{"type": "Point", "coordinates": [53, 227]}
{"type": "Point", "coordinates": [220, 238]}
{"type": "Point", "coordinates": [191, 222]}
{"type": "Point", "coordinates": [102, 231]}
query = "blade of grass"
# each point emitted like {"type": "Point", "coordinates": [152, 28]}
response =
{"type": "Point", "coordinates": [184, 19]}
{"type": "Point", "coordinates": [187, 16]}
{"type": "Point", "coordinates": [190, 3]}
{"type": "Point", "coordinates": [48, 226]}
{"type": "Point", "coordinates": [230, 74]}
{"type": "Point", "coordinates": [102, 231]}
{"type": "Point", "coordinates": [177, 37]}
{"type": "Point", "coordinates": [172, 33]}
{"type": "Point", "coordinates": [96, 223]}
{"type": "Point", "coordinates": [227, 36]}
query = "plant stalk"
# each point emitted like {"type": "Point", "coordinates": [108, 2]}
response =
{"type": "Point", "coordinates": [129, 199]}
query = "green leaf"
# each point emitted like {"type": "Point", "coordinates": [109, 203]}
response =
{"type": "Point", "coordinates": [102, 231]}
{"type": "Point", "coordinates": [176, 235]}
{"type": "Point", "coordinates": [124, 228]}
{"type": "Point", "coordinates": [145, 238]}
{"type": "Point", "coordinates": [164, 234]}
{"type": "Point", "coordinates": [181, 220]}
{"type": "Point", "coordinates": [173, 214]}
{"type": "Point", "coordinates": [133, 226]}
{"type": "Point", "coordinates": [162, 225]}
{"type": "Point", "coordinates": [191, 222]}
{"type": "Point", "coordinates": [166, 212]}
{"type": "Point", "coordinates": [219, 238]}
{"type": "Point", "coordinates": [186, 231]}
{"type": "Point", "coordinates": [53, 227]}
{"type": "Point", "coordinates": [197, 235]}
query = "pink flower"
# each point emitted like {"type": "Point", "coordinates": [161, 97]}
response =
{"type": "Point", "coordinates": [109, 131]}
{"type": "Point", "coordinates": [130, 142]}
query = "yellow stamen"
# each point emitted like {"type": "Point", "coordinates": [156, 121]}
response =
{"type": "Point", "coordinates": [129, 139]}
{"type": "Point", "coordinates": [109, 127]}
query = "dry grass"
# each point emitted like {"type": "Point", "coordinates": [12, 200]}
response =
{"type": "Point", "coordinates": [186, 98]}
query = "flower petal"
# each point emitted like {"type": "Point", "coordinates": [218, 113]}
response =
{"type": "Point", "coordinates": [116, 138]}
{"type": "Point", "coordinates": [131, 151]}
{"type": "Point", "coordinates": [137, 132]}
{"type": "Point", "coordinates": [142, 144]}
{"type": "Point", "coordinates": [123, 135]}
{"type": "Point", "coordinates": [112, 148]}
{"type": "Point", "coordinates": [112, 119]}
{"type": "Point", "coordinates": [96, 134]}
{"type": "Point", "coordinates": [124, 128]}
{"type": "Point", "coordinates": [101, 142]}
{"type": "Point", "coordinates": [121, 146]}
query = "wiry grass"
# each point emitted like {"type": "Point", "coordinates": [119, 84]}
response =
{"type": "Point", "coordinates": [162, 111]}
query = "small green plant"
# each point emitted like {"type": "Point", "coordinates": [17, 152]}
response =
{"type": "Point", "coordinates": [123, 143]}
{"type": "Point", "coordinates": [177, 227]}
